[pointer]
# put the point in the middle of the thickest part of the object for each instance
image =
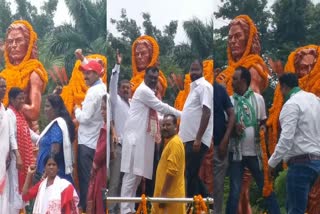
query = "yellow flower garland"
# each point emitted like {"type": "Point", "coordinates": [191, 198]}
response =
{"type": "Point", "coordinates": [208, 74]}
{"type": "Point", "coordinates": [247, 60]}
{"type": "Point", "coordinates": [138, 76]}
{"type": "Point", "coordinates": [310, 83]}
{"type": "Point", "coordinates": [19, 75]}
{"type": "Point", "coordinates": [74, 93]}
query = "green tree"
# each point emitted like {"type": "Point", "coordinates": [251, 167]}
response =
{"type": "Point", "coordinates": [256, 9]}
{"type": "Point", "coordinates": [5, 17]}
{"type": "Point", "coordinates": [291, 22]}
{"type": "Point", "coordinates": [88, 31]}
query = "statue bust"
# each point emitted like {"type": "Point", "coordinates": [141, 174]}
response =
{"type": "Point", "coordinates": [23, 70]}
{"type": "Point", "coordinates": [304, 61]}
{"type": "Point", "coordinates": [145, 53]}
{"type": "Point", "coordinates": [244, 50]}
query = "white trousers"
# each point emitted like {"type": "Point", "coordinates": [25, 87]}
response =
{"type": "Point", "coordinates": [130, 183]}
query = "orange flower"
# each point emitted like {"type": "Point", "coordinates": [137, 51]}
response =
{"type": "Point", "coordinates": [138, 76]}
{"type": "Point", "coordinates": [19, 75]}
{"type": "Point", "coordinates": [74, 93]}
{"type": "Point", "coordinates": [143, 205]}
{"type": "Point", "coordinates": [267, 186]}
{"type": "Point", "coordinates": [310, 83]}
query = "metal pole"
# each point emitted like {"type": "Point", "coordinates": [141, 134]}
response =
{"type": "Point", "coordinates": [155, 200]}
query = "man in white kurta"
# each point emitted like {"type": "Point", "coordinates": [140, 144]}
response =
{"type": "Point", "coordinates": [138, 144]}
{"type": "Point", "coordinates": [120, 93]}
{"type": "Point", "coordinates": [6, 140]}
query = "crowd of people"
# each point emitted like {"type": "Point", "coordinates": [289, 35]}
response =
{"type": "Point", "coordinates": [124, 138]}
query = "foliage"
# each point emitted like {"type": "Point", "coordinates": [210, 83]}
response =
{"type": "Point", "coordinates": [88, 32]}
{"type": "Point", "coordinates": [280, 189]}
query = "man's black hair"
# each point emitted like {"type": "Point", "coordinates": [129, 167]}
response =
{"type": "Point", "coordinates": [289, 79]}
{"type": "Point", "coordinates": [245, 74]}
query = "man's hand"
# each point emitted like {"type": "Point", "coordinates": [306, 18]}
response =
{"type": "Point", "coordinates": [223, 148]}
{"type": "Point", "coordinates": [196, 145]}
{"type": "Point", "coordinates": [78, 53]}
{"type": "Point", "coordinates": [19, 162]}
{"type": "Point", "coordinates": [162, 195]}
{"type": "Point", "coordinates": [270, 173]}
{"type": "Point", "coordinates": [240, 128]}
{"type": "Point", "coordinates": [118, 57]}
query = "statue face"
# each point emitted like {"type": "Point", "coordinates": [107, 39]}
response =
{"type": "Point", "coordinates": [306, 65]}
{"type": "Point", "coordinates": [142, 56]}
{"type": "Point", "coordinates": [17, 46]}
{"type": "Point", "coordinates": [237, 41]}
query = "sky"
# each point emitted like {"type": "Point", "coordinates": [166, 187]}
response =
{"type": "Point", "coordinates": [161, 11]}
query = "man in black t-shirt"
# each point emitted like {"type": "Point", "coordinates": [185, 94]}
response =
{"type": "Point", "coordinates": [221, 132]}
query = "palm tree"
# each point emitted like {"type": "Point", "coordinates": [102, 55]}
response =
{"type": "Point", "coordinates": [200, 43]}
{"type": "Point", "coordinates": [88, 31]}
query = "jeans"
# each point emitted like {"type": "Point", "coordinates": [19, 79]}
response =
{"type": "Point", "coordinates": [300, 179]}
{"type": "Point", "coordinates": [193, 162]}
{"type": "Point", "coordinates": [236, 173]}
{"type": "Point", "coordinates": [219, 173]}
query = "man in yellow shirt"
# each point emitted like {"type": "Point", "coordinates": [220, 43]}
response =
{"type": "Point", "coordinates": [170, 172]}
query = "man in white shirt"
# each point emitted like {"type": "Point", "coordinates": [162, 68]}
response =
{"type": "Point", "coordinates": [196, 127]}
{"type": "Point", "coordinates": [90, 123]}
{"type": "Point", "coordinates": [141, 132]}
{"type": "Point", "coordinates": [244, 145]}
{"type": "Point", "coordinates": [299, 142]}
{"type": "Point", "coordinates": [120, 104]}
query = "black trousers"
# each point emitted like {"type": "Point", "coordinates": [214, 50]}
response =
{"type": "Point", "coordinates": [193, 163]}
{"type": "Point", "coordinates": [85, 159]}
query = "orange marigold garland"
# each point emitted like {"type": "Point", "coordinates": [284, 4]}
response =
{"type": "Point", "coordinates": [310, 83]}
{"type": "Point", "coordinates": [19, 75]}
{"type": "Point", "coordinates": [267, 186]}
{"type": "Point", "coordinates": [247, 60]}
{"type": "Point", "coordinates": [138, 76]}
{"type": "Point", "coordinates": [143, 205]}
{"type": "Point", "coordinates": [199, 206]}
{"type": "Point", "coordinates": [74, 93]}
{"type": "Point", "coordinates": [208, 74]}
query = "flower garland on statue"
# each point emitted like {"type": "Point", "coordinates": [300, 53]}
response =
{"type": "Point", "coordinates": [183, 94]}
{"type": "Point", "coordinates": [138, 76]}
{"type": "Point", "coordinates": [19, 75]}
{"type": "Point", "coordinates": [268, 185]}
{"type": "Point", "coordinates": [310, 83]}
{"type": "Point", "coordinates": [74, 93]}
{"type": "Point", "coordinates": [247, 60]}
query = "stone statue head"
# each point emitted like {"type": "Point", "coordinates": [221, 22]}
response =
{"type": "Point", "coordinates": [239, 30]}
{"type": "Point", "coordinates": [17, 43]}
{"type": "Point", "coordinates": [304, 61]}
{"type": "Point", "coordinates": [143, 53]}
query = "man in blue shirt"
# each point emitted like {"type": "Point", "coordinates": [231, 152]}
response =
{"type": "Point", "coordinates": [221, 132]}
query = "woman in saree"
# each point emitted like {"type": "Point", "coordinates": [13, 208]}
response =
{"type": "Point", "coordinates": [56, 138]}
{"type": "Point", "coordinates": [53, 195]}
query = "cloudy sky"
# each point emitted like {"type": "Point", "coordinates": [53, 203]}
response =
{"type": "Point", "coordinates": [162, 12]}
